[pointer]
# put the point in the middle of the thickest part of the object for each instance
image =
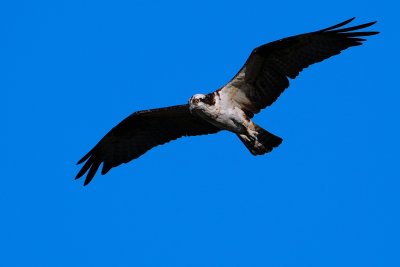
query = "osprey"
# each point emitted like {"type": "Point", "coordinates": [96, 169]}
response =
{"type": "Point", "coordinates": [256, 86]}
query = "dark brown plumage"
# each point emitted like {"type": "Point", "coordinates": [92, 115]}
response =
{"type": "Point", "coordinates": [269, 66]}
{"type": "Point", "coordinates": [257, 85]}
{"type": "Point", "coordinates": [140, 132]}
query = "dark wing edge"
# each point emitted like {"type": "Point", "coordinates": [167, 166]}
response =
{"type": "Point", "coordinates": [264, 76]}
{"type": "Point", "coordinates": [138, 133]}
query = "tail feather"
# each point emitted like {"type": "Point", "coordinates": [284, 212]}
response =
{"type": "Point", "coordinates": [264, 142]}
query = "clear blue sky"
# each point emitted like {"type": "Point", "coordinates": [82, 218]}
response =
{"type": "Point", "coordinates": [71, 70]}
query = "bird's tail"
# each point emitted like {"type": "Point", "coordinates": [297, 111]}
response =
{"type": "Point", "coordinates": [264, 142]}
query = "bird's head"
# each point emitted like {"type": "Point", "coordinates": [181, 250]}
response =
{"type": "Point", "coordinates": [200, 99]}
{"type": "Point", "coordinates": [196, 103]}
{"type": "Point", "coordinates": [201, 102]}
{"type": "Point", "coordinates": [196, 99]}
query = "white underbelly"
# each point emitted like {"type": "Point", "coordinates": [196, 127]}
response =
{"type": "Point", "coordinates": [231, 120]}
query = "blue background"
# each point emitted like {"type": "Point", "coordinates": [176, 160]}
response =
{"type": "Point", "coordinates": [71, 70]}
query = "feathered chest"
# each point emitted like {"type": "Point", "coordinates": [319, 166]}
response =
{"type": "Point", "coordinates": [221, 112]}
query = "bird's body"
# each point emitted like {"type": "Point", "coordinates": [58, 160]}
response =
{"type": "Point", "coordinates": [257, 85]}
{"type": "Point", "coordinates": [219, 111]}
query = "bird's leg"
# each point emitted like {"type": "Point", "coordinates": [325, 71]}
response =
{"type": "Point", "coordinates": [251, 130]}
{"type": "Point", "coordinates": [252, 137]}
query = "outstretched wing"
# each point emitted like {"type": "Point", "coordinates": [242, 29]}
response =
{"type": "Point", "coordinates": [139, 133]}
{"type": "Point", "coordinates": [265, 74]}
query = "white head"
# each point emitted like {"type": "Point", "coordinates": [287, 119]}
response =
{"type": "Point", "coordinates": [196, 99]}
{"type": "Point", "coordinates": [201, 102]}
{"type": "Point", "coordinates": [196, 103]}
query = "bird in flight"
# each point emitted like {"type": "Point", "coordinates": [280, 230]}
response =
{"type": "Point", "coordinates": [257, 85]}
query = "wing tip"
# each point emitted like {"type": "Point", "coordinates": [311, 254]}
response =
{"type": "Point", "coordinates": [84, 169]}
{"type": "Point", "coordinates": [79, 175]}
{"type": "Point", "coordinates": [91, 165]}
{"type": "Point", "coordinates": [105, 168]}
{"type": "Point", "coordinates": [337, 27]}
{"type": "Point", "coordinates": [87, 181]}
{"type": "Point", "coordinates": [84, 158]}
{"type": "Point", "coordinates": [81, 160]}
{"type": "Point", "coordinates": [373, 32]}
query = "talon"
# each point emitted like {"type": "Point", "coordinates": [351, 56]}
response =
{"type": "Point", "coordinates": [253, 138]}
